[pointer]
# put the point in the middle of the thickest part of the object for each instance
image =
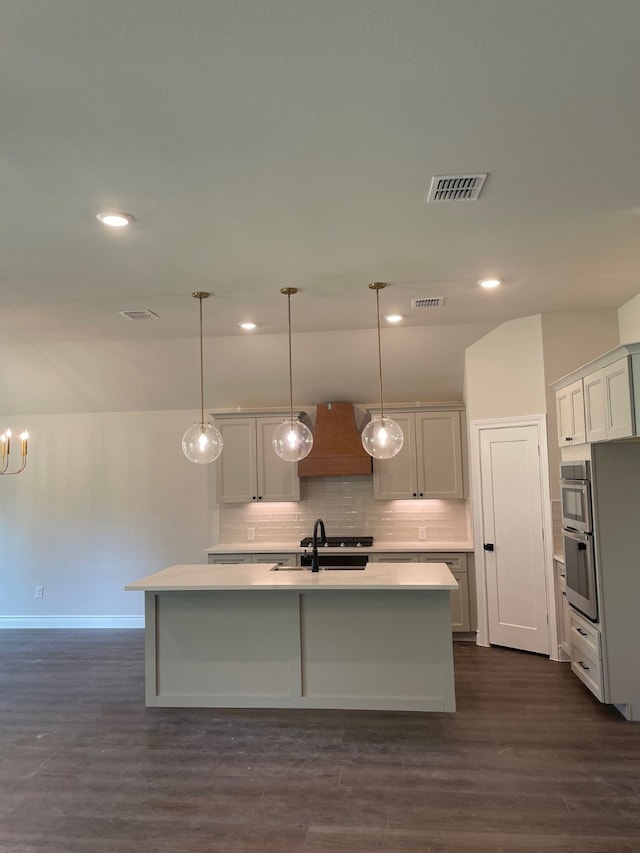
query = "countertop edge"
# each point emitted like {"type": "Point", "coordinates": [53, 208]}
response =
{"type": "Point", "coordinates": [252, 577]}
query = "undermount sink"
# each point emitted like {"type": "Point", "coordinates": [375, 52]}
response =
{"type": "Point", "coordinates": [322, 569]}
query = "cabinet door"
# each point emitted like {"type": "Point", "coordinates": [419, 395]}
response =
{"type": "Point", "coordinates": [396, 479]}
{"type": "Point", "coordinates": [236, 473]}
{"type": "Point", "coordinates": [570, 413]}
{"type": "Point", "coordinates": [617, 395]}
{"type": "Point", "coordinates": [439, 455]}
{"type": "Point", "coordinates": [277, 480]}
{"type": "Point", "coordinates": [594, 407]}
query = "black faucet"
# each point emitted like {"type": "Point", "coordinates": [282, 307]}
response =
{"type": "Point", "coordinates": [323, 541]}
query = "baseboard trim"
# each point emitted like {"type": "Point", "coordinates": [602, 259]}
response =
{"type": "Point", "coordinates": [71, 622]}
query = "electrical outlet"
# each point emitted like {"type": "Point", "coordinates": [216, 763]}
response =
{"type": "Point", "coordinates": [422, 533]}
{"type": "Point", "coordinates": [251, 533]}
{"type": "Point", "coordinates": [39, 592]}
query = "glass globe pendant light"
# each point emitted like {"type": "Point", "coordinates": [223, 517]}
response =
{"type": "Point", "coordinates": [292, 440]}
{"type": "Point", "coordinates": [382, 437]}
{"type": "Point", "coordinates": [202, 442]}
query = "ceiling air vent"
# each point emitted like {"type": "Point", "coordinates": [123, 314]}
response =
{"type": "Point", "coordinates": [456, 187]}
{"type": "Point", "coordinates": [143, 314]}
{"type": "Point", "coordinates": [428, 302]}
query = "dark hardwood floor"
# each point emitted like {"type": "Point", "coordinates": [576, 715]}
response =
{"type": "Point", "coordinates": [530, 762]}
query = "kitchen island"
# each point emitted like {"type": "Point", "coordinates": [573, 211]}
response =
{"type": "Point", "coordinates": [263, 636]}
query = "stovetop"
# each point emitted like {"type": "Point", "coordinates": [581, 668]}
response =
{"type": "Point", "coordinates": [340, 542]}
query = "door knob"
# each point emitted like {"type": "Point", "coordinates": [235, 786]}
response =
{"type": "Point", "coordinates": [488, 546]}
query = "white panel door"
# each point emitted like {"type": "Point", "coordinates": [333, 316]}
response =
{"type": "Point", "coordinates": [513, 521]}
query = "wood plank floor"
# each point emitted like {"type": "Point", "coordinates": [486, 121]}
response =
{"type": "Point", "coordinates": [530, 762]}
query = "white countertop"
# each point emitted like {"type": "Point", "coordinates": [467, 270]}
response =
{"type": "Point", "coordinates": [295, 548]}
{"type": "Point", "coordinates": [248, 576]}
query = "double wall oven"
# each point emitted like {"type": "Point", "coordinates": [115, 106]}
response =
{"type": "Point", "coordinates": [577, 535]}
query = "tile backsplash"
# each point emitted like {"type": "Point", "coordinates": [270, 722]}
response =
{"type": "Point", "coordinates": [347, 507]}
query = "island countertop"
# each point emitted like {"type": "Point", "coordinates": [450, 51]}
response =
{"type": "Point", "coordinates": [261, 576]}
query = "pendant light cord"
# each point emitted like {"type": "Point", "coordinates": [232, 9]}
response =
{"type": "Point", "coordinates": [200, 297]}
{"type": "Point", "coordinates": [290, 368]}
{"type": "Point", "coordinates": [379, 351]}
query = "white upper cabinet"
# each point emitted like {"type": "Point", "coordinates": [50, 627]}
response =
{"type": "Point", "coordinates": [600, 401]}
{"type": "Point", "coordinates": [249, 469]}
{"type": "Point", "coordinates": [570, 412]}
{"type": "Point", "coordinates": [430, 462]}
{"type": "Point", "coordinates": [608, 402]}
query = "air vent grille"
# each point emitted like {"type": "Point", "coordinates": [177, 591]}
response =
{"type": "Point", "coordinates": [456, 187]}
{"type": "Point", "coordinates": [143, 314]}
{"type": "Point", "coordinates": [428, 302]}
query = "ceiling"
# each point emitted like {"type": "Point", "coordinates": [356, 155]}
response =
{"type": "Point", "coordinates": [270, 143]}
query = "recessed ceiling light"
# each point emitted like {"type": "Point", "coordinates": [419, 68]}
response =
{"type": "Point", "coordinates": [393, 318]}
{"type": "Point", "coordinates": [248, 327]}
{"type": "Point", "coordinates": [114, 218]}
{"type": "Point", "coordinates": [488, 283]}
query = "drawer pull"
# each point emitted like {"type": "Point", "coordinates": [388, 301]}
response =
{"type": "Point", "coordinates": [583, 665]}
{"type": "Point", "coordinates": [582, 632]}
{"type": "Point", "coordinates": [564, 593]}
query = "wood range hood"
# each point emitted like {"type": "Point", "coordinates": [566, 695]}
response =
{"type": "Point", "coordinates": [337, 447]}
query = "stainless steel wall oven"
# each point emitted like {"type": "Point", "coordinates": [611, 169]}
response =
{"type": "Point", "coordinates": [577, 537]}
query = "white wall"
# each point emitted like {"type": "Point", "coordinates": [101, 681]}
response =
{"type": "Point", "coordinates": [420, 363]}
{"type": "Point", "coordinates": [629, 321]}
{"type": "Point", "coordinates": [504, 372]}
{"type": "Point", "coordinates": [105, 499]}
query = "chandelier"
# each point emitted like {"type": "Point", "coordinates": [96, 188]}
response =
{"type": "Point", "coordinates": [5, 450]}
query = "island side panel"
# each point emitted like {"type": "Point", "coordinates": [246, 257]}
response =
{"type": "Point", "coordinates": [379, 650]}
{"type": "Point", "coordinates": [227, 649]}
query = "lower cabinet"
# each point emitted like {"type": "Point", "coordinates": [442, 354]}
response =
{"type": "Point", "coordinates": [458, 566]}
{"type": "Point", "coordinates": [586, 654]}
{"type": "Point", "coordinates": [460, 598]}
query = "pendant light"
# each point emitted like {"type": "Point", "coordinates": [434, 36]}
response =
{"type": "Point", "coordinates": [202, 442]}
{"type": "Point", "coordinates": [292, 440]}
{"type": "Point", "coordinates": [382, 437]}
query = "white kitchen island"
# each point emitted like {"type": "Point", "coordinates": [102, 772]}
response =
{"type": "Point", "coordinates": [254, 636]}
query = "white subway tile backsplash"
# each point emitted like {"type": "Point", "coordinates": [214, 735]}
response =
{"type": "Point", "coordinates": [347, 507]}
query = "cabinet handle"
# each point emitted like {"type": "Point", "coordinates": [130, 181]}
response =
{"type": "Point", "coordinates": [582, 631]}
{"type": "Point", "coordinates": [583, 665]}
{"type": "Point", "coordinates": [564, 593]}
{"type": "Point", "coordinates": [421, 494]}
{"type": "Point", "coordinates": [259, 497]}
{"type": "Point", "coordinates": [415, 494]}
{"type": "Point", "coordinates": [568, 438]}
{"type": "Point", "coordinates": [254, 498]}
{"type": "Point", "coordinates": [488, 546]}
